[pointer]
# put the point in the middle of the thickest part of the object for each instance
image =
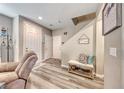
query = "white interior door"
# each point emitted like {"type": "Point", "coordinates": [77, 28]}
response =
{"type": "Point", "coordinates": [33, 39]}
{"type": "Point", "coordinates": [57, 47]}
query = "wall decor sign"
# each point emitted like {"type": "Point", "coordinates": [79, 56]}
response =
{"type": "Point", "coordinates": [112, 17]}
{"type": "Point", "coordinates": [84, 39]}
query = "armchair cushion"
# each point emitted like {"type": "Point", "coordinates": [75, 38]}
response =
{"type": "Point", "coordinates": [8, 77]}
{"type": "Point", "coordinates": [17, 84]}
{"type": "Point", "coordinates": [91, 59]}
{"type": "Point", "coordinates": [8, 66]}
{"type": "Point", "coordinates": [27, 67]}
{"type": "Point", "coordinates": [24, 58]}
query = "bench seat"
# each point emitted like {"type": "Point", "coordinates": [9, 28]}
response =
{"type": "Point", "coordinates": [81, 65]}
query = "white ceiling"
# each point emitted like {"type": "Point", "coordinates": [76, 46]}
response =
{"type": "Point", "coordinates": [51, 13]}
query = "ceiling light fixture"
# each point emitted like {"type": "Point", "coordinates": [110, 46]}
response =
{"type": "Point", "coordinates": [40, 18]}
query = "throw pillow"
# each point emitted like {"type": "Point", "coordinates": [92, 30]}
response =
{"type": "Point", "coordinates": [83, 58]}
{"type": "Point", "coordinates": [90, 59]}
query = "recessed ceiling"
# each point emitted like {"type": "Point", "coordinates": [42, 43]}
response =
{"type": "Point", "coordinates": [54, 16]}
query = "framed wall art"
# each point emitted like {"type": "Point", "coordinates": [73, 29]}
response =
{"type": "Point", "coordinates": [84, 39]}
{"type": "Point", "coordinates": [112, 17]}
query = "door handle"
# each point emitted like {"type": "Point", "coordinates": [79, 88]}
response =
{"type": "Point", "coordinates": [26, 49]}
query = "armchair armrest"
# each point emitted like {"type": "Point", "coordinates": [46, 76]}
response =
{"type": "Point", "coordinates": [7, 77]}
{"type": "Point", "coordinates": [8, 66]}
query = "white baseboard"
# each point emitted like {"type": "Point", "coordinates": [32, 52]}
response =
{"type": "Point", "coordinates": [64, 66]}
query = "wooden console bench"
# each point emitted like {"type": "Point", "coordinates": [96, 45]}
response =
{"type": "Point", "coordinates": [86, 70]}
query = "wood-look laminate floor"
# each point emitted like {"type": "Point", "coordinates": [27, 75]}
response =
{"type": "Point", "coordinates": [50, 75]}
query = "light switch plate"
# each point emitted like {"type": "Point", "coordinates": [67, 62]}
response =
{"type": "Point", "coordinates": [113, 52]}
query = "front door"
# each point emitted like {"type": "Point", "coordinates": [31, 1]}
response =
{"type": "Point", "coordinates": [33, 39]}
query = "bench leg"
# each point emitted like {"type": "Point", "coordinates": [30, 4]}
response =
{"type": "Point", "coordinates": [92, 74]}
{"type": "Point", "coordinates": [71, 67]}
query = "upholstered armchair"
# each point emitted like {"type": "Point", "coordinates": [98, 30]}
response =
{"type": "Point", "coordinates": [15, 74]}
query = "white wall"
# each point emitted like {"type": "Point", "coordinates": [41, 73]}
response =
{"type": "Point", "coordinates": [112, 64]}
{"type": "Point", "coordinates": [71, 49]}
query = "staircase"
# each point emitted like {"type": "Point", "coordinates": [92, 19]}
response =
{"type": "Point", "coordinates": [80, 22]}
{"type": "Point", "coordinates": [78, 28]}
{"type": "Point", "coordinates": [71, 49]}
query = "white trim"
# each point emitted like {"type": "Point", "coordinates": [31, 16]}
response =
{"type": "Point", "coordinates": [101, 76]}
{"type": "Point", "coordinates": [64, 66]}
